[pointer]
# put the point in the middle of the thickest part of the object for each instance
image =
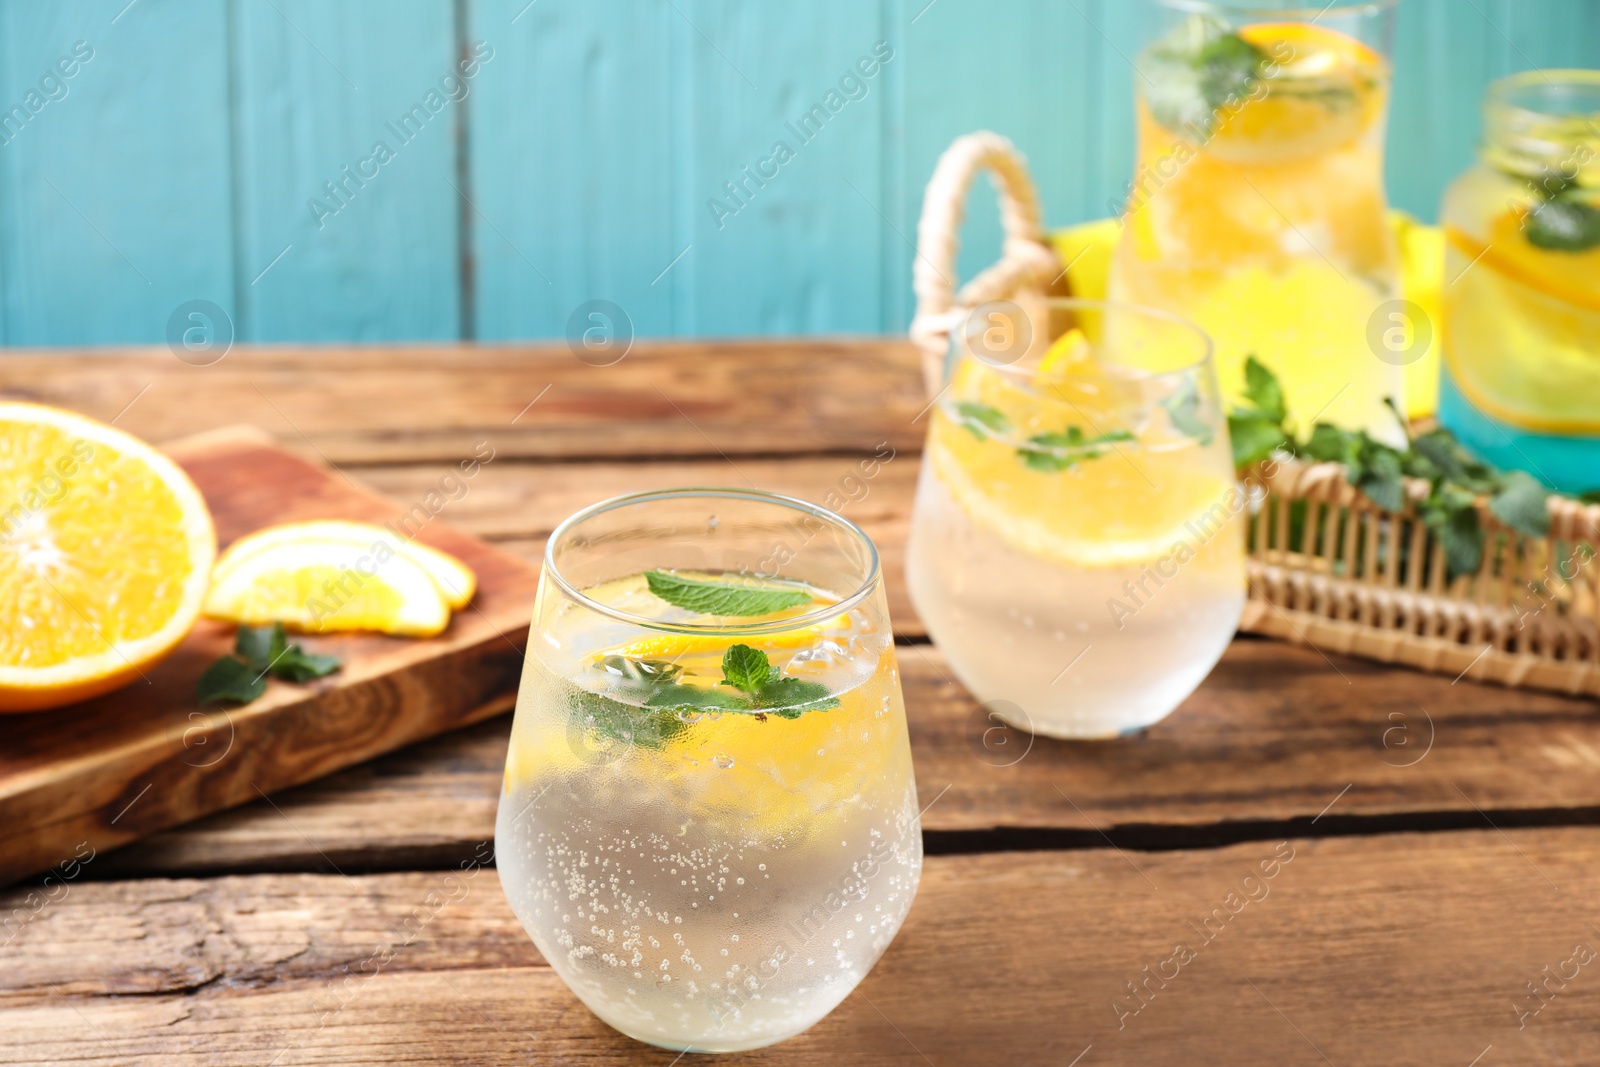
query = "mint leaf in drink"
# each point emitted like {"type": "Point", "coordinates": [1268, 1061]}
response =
{"type": "Point", "coordinates": [789, 698]}
{"type": "Point", "coordinates": [1052, 452]}
{"type": "Point", "coordinates": [722, 597]}
{"type": "Point", "coordinates": [1563, 225]}
{"type": "Point", "coordinates": [1183, 408]}
{"type": "Point", "coordinates": [693, 698]}
{"type": "Point", "coordinates": [1229, 66]}
{"type": "Point", "coordinates": [1195, 71]}
{"type": "Point", "coordinates": [232, 680]}
{"type": "Point", "coordinates": [1522, 505]}
{"type": "Point", "coordinates": [619, 723]}
{"type": "Point", "coordinates": [747, 669]}
{"type": "Point", "coordinates": [981, 420]}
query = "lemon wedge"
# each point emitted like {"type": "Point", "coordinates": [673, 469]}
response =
{"type": "Point", "coordinates": [1065, 352]}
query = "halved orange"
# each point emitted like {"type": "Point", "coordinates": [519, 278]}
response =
{"type": "Point", "coordinates": [105, 552]}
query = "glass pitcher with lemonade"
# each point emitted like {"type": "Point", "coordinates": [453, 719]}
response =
{"type": "Point", "coordinates": [1257, 207]}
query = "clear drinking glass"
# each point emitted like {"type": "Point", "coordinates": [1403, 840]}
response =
{"type": "Point", "coordinates": [709, 824]}
{"type": "Point", "coordinates": [1257, 206]}
{"type": "Point", "coordinates": [1077, 544]}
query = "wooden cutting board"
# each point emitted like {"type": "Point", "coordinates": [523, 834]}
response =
{"type": "Point", "coordinates": [147, 757]}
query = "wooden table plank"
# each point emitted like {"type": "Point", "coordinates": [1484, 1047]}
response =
{"type": "Point", "coordinates": [1392, 949]}
{"type": "Point", "coordinates": [1277, 737]}
{"type": "Point", "coordinates": [426, 403]}
{"type": "Point", "coordinates": [517, 505]}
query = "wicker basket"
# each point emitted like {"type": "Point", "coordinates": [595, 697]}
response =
{"type": "Point", "coordinates": [1337, 573]}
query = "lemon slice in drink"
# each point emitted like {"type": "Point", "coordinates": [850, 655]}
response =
{"type": "Point", "coordinates": [671, 646]}
{"type": "Point", "coordinates": [1082, 526]}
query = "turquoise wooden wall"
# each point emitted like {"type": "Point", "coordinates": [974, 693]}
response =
{"type": "Point", "coordinates": [180, 160]}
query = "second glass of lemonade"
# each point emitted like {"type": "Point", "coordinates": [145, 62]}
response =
{"type": "Point", "coordinates": [709, 824]}
{"type": "Point", "coordinates": [1257, 207]}
{"type": "Point", "coordinates": [1077, 548]}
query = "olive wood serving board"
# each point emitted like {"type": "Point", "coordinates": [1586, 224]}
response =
{"type": "Point", "coordinates": [98, 774]}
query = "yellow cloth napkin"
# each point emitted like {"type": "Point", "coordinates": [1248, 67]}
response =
{"type": "Point", "coordinates": [1086, 248]}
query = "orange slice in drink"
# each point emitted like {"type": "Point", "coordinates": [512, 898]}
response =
{"type": "Point", "coordinates": [1324, 89]}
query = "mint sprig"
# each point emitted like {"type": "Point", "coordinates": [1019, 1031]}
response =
{"type": "Point", "coordinates": [1563, 225]}
{"type": "Point", "coordinates": [723, 598]}
{"type": "Point", "coordinates": [259, 651]}
{"type": "Point", "coordinates": [1198, 69]}
{"type": "Point", "coordinates": [758, 688]}
{"type": "Point", "coordinates": [1183, 408]}
{"type": "Point", "coordinates": [1051, 452]}
{"type": "Point", "coordinates": [1456, 479]}
{"type": "Point", "coordinates": [981, 420]}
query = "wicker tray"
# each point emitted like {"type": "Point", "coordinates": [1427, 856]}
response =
{"type": "Point", "coordinates": [1346, 576]}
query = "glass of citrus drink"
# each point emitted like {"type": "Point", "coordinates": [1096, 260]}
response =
{"type": "Point", "coordinates": [1077, 548]}
{"type": "Point", "coordinates": [709, 824]}
{"type": "Point", "coordinates": [1257, 206]}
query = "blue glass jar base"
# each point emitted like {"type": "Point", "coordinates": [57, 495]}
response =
{"type": "Point", "coordinates": [1566, 464]}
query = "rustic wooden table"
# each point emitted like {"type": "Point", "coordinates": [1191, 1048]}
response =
{"type": "Point", "coordinates": [1432, 846]}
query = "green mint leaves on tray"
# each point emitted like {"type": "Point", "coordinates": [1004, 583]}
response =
{"type": "Point", "coordinates": [1456, 479]}
{"type": "Point", "coordinates": [722, 598]}
{"type": "Point", "coordinates": [259, 651]}
{"type": "Point", "coordinates": [1256, 429]}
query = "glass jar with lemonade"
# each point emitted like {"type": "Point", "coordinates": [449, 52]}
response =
{"type": "Point", "coordinates": [1257, 207]}
{"type": "Point", "coordinates": [1521, 333]}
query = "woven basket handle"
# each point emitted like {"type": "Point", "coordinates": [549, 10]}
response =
{"type": "Point", "coordinates": [1026, 262]}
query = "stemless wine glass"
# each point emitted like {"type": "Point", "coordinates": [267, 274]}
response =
{"type": "Point", "coordinates": [1077, 544]}
{"type": "Point", "coordinates": [709, 824]}
{"type": "Point", "coordinates": [1257, 206]}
